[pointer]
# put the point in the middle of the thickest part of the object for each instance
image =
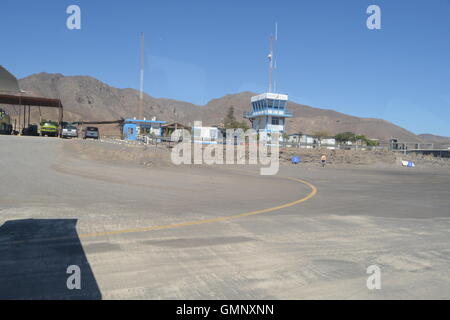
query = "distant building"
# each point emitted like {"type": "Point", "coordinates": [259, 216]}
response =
{"type": "Point", "coordinates": [169, 129]}
{"type": "Point", "coordinates": [133, 128]}
{"type": "Point", "coordinates": [299, 138]}
{"type": "Point", "coordinates": [328, 142]}
{"type": "Point", "coordinates": [206, 135]}
{"type": "Point", "coordinates": [269, 113]}
{"type": "Point", "coordinates": [302, 140]}
{"type": "Point", "coordinates": [294, 138]}
{"type": "Point", "coordinates": [310, 141]}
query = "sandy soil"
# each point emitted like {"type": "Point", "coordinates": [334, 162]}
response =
{"type": "Point", "coordinates": [110, 150]}
{"type": "Point", "coordinates": [378, 158]}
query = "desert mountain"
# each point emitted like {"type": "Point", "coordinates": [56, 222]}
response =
{"type": "Point", "coordinates": [438, 140]}
{"type": "Point", "coordinates": [89, 99]}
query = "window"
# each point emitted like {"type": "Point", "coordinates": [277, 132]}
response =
{"type": "Point", "coordinates": [276, 121]}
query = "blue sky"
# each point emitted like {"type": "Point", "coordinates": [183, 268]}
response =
{"type": "Point", "coordinates": [198, 50]}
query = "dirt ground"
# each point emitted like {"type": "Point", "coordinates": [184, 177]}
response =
{"type": "Point", "coordinates": [379, 158]}
{"type": "Point", "coordinates": [116, 151]}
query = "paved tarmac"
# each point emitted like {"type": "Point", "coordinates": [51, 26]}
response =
{"type": "Point", "coordinates": [217, 232]}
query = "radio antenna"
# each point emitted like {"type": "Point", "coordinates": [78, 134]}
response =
{"type": "Point", "coordinates": [141, 93]}
{"type": "Point", "coordinates": [272, 62]}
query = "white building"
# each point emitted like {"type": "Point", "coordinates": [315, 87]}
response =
{"type": "Point", "coordinates": [206, 135]}
{"type": "Point", "coordinates": [328, 142]}
{"type": "Point", "coordinates": [302, 140]}
{"type": "Point", "coordinates": [309, 141]}
{"type": "Point", "coordinates": [269, 113]}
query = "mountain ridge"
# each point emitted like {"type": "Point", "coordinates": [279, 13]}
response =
{"type": "Point", "coordinates": [87, 98]}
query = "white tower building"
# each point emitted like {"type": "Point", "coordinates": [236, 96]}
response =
{"type": "Point", "coordinates": [269, 110]}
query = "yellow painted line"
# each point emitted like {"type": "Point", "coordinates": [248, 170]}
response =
{"type": "Point", "coordinates": [207, 221]}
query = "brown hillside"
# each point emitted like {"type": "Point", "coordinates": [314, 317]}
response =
{"type": "Point", "coordinates": [86, 98]}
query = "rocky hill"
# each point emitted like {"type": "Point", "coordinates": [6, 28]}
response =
{"type": "Point", "coordinates": [86, 98]}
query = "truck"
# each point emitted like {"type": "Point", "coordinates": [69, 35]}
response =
{"type": "Point", "coordinates": [49, 129]}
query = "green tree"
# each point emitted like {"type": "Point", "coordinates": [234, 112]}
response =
{"type": "Point", "coordinates": [230, 121]}
{"type": "Point", "coordinates": [370, 143]}
{"type": "Point", "coordinates": [229, 118]}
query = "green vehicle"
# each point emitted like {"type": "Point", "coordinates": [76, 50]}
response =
{"type": "Point", "coordinates": [49, 129]}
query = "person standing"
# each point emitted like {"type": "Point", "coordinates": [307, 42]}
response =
{"type": "Point", "coordinates": [323, 160]}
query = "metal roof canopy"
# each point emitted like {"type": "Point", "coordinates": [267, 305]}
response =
{"type": "Point", "coordinates": [11, 94]}
{"type": "Point", "coordinates": [29, 101]}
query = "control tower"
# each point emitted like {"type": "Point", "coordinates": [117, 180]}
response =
{"type": "Point", "coordinates": [269, 110]}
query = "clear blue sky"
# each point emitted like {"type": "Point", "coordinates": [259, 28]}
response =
{"type": "Point", "coordinates": [199, 50]}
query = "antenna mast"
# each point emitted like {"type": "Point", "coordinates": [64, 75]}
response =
{"type": "Point", "coordinates": [141, 93]}
{"type": "Point", "coordinates": [272, 40]}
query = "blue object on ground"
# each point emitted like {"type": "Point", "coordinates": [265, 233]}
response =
{"type": "Point", "coordinates": [296, 160]}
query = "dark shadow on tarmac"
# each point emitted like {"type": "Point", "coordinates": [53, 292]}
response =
{"type": "Point", "coordinates": [34, 258]}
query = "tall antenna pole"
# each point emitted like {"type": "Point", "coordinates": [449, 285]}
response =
{"type": "Point", "coordinates": [271, 63]}
{"type": "Point", "coordinates": [141, 94]}
{"type": "Point", "coordinates": [272, 41]}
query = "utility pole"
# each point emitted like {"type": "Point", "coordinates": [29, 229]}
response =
{"type": "Point", "coordinates": [141, 94]}
{"type": "Point", "coordinates": [272, 66]}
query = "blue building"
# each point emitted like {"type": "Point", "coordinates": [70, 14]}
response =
{"type": "Point", "coordinates": [269, 113]}
{"type": "Point", "coordinates": [133, 128]}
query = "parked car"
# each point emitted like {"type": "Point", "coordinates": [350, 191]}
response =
{"type": "Point", "coordinates": [49, 129]}
{"type": "Point", "coordinates": [6, 129]}
{"type": "Point", "coordinates": [31, 130]}
{"type": "Point", "coordinates": [69, 132]}
{"type": "Point", "coordinates": [91, 133]}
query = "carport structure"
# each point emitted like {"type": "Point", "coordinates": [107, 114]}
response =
{"type": "Point", "coordinates": [28, 101]}
{"type": "Point", "coordinates": [10, 94]}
